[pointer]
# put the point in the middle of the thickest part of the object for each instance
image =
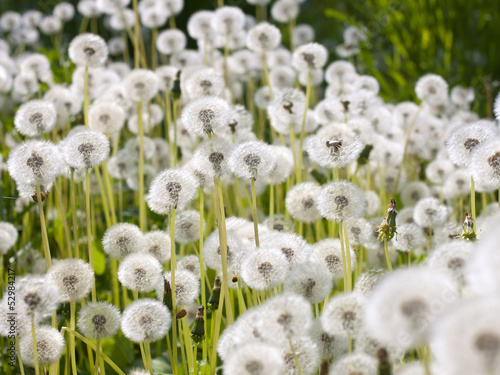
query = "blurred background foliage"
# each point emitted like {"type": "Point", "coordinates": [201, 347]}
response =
{"type": "Point", "coordinates": [457, 39]}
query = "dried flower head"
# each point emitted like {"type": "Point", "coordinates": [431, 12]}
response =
{"type": "Point", "coordinates": [139, 271]}
{"type": "Point", "coordinates": [252, 159]}
{"type": "Point", "coordinates": [74, 277]}
{"type": "Point", "coordinates": [50, 346]}
{"type": "Point", "coordinates": [263, 37]}
{"type": "Point", "coordinates": [88, 50]}
{"type": "Point", "coordinates": [465, 138]}
{"type": "Point", "coordinates": [206, 116]}
{"type": "Point", "coordinates": [85, 149]}
{"type": "Point", "coordinates": [341, 200]}
{"type": "Point", "coordinates": [141, 85]}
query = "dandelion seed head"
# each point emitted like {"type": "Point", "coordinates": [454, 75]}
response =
{"type": "Point", "coordinates": [302, 202]}
{"type": "Point", "coordinates": [432, 88]}
{"type": "Point", "coordinates": [88, 50]}
{"type": "Point", "coordinates": [465, 138]}
{"type": "Point", "coordinates": [309, 57]}
{"type": "Point", "coordinates": [254, 358]}
{"type": "Point", "coordinates": [74, 278]}
{"type": "Point", "coordinates": [122, 239]}
{"type": "Point", "coordinates": [106, 117]}
{"type": "Point", "coordinates": [263, 37]}
{"type": "Point", "coordinates": [356, 363]}
{"type": "Point", "coordinates": [37, 296]}
{"type": "Point", "coordinates": [187, 286]}
{"type": "Point", "coordinates": [328, 252]}
{"type": "Point", "coordinates": [98, 320]}
{"type": "Point", "coordinates": [212, 250]}
{"type": "Point", "coordinates": [85, 149]}
{"type": "Point", "coordinates": [264, 268]}
{"type": "Point", "coordinates": [285, 10]}
{"type": "Point", "coordinates": [187, 226]}
{"type": "Point", "coordinates": [340, 201]}
{"type": "Point", "coordinates": [8, 236]}
{"type": "Point", "coordinates": [252, 159]}
{"type": "Point", "coordinates": [287, 107]}
{"type": "Point", "coordinates": [139, 271]}
{"type": "Point", "coordinates": [429, 213]}
{"type": "Point", "coordinates": [50, 346]}
{"type": "Point", "coordinates": [309, 280]}
{"type": "Point", "coordinates": [200, 25]}
{"type": "Point", "coordinates": [141, 85]}
{"type": "Point", "coordinates": [171, 41]}
{"type": "Point", "coordinates": [145, 319]}
{"type": "Point", "coordinates": [206, 116]}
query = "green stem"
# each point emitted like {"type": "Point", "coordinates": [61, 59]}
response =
{"type": "Point", "coordinates": [473, 202]}
{"type": "Point", "coordinates": [142, 202]}
{"type": "Point", "coordinates": [254, 214]}
{"type": "Point", "coordinates": [73, 215]}
{"type": "Point", "coordinates": [97, 357]}
{"type": "Point", "coordinates": [173, 266]}
{"type": "Point", "coordinates": [86, 97]}
{"type": "Point", "coordinates": [89, 229]}
{"type": "Point", "coordinates": [344, 258]}
{"type": "Point", "coordinates": [387, 257]}
{"type": "Point", "coordinates": [71, 341]}
{"type": "Point", "coordinates": [348, 255]}
{"type": "Point", "coordinates": [35, 351]}
{"type": "Point", "coordinates": [18, 350]}
{"type": "Point", "coordinates": [45, 239]}
{"type": "Point", "coordinates": [303, 129]}
{"type": "Point", "coordinates": [266, 74]}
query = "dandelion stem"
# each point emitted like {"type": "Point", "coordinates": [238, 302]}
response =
{"type": "Point", "coordinates": [202, 268]}
{"type": "Point", "coordinates": [73, 214]}
{"type": "Point", "coordinates": [71, 343]}
{"type": "Point", "coordinates": [344, 258]}
{"type": "Point", "coordinates": [86, 97]}
{"type": "Point", "coordinates": [348, 255]}
{"type": "Point", "coordinates": [387, 257]}
{"type": "Point", "coordinates": [173, 266]}
{"type": "Point", "coordinates": [45, 239]}
{"type": "Point", "coordinates": [35, 351]}
{"type": "Point", "coordinates": [18, 350]}
{"type": "Point", "coordinates": [303, 129]}
{"type": "Point", "coordinates": [142, 202]}
{"type": "Point", "coordinates": [97, 356]}
{"type": "Point", "coordinates": [254, 214]}
{"type": "Point", "coordinates": [89, 229]}
{"type": "Point", "coordinates": [296, 358]}
{"type": "Point", "coordinates": [266, 75]}
{"type": "Point", "coordinates": [473, 202]}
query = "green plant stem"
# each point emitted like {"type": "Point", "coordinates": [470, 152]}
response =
{"type": "Point", "coordinates": [110, 193]}
{"type": "Point", "coordinates": [266, 75]}
{"type": "Point", "coordinates": [387, 257]}
{"type": "Point", "coordinates": [348, 255]}
{"type": "Point", "coordinates": [43, 228]}
{"type": "Point", "coordinates": [86, 99]}
{"type": "Point", "coordinates": [296, 358]}
{"type": "Point", "coordinates": [154, 55]}
{"type": "Point", "coordinates": [18, 351]}
{"type": "Point", "coordinates": [147, 351]}
{"type": "Point", "coordinates": [97, 357]}
{"type": "Point", "coordinates": [303, 128]}
{"type": "Point", "coordinates": [71, 341]}
{"type": "Point", "coordinates": [473, 203]}
{"type": "Point", "coordinates": [142, 202]}
{"type": "Point", "coordinates": [254, 214]}
{"type": "Point", "coordinates": [73, 215]}
{"type": "Point", "coordinates": [89, 230]}
{"type": "Point", "coordinates": [173, 266]}
{"type": "Point", "coordinates": [62, 214]}
{"type": "Point", "coordinates": [35, 351]}
{"type": "Point", "coordinates": [344, 259]}
{"type": "Point", "coordinates": [215, 332]}
{"type": "Point", "coordinates": [202, 268]}
{"type": "Point", "coordinates": [93, 347]}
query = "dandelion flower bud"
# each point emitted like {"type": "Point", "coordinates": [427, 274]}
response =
{"type": "Point", "coordinates": [37, 296]}
{"type": "Point", "coordinates": [140, 85]}
{"type": "Point", "coordinates": [252, 159]}
{"type": "Point", "coordinates": [465, 138]}
{"type": "Point", "coordinates": [172, 188]}
{"type": "Point", "coordinates": [334, 146]}
{"type": "Point", "coordinates": [328, 252]}
{"type": "Point", "coordinates": [139, 271]}
{"type": "Point", "coordinates": [88, 50]}
{"type": "Point", "coordinates": [310, 281]}
{"type": "Point", "coordinates": [309, 57]}
{"type": "Point", "coordinates": [302, 202]}
{"type": "Point", "coordinates": [228, 20]}
{"type": "Point", "coordinates": [171, 41]}
{"type": "Point", "coordinates": [254, 358]}
{"type": "Point", "coordinates": [429, 213]}
{"type": "Point", "coordinates": [74, 278]}
{"type": "Point", "coordinates": [190, 263]}
{"type": "Point", "coordinates": [85, 149]}
{"type": "Point", "coordinates": [50, 346]}
{"type": "Point", "coordinates": [206, 116]}
{"type": "Point", "coordinates": [357, 363]}
{"type": "Point", "coordinates": [35, 118]}
{"type": "Point", "coordinates": [98, 320]}
{"type": "Point", "coordinates": [187, 286]}
{"type": "Point", "coordinates": [285, 10]}
{"type": "Point", "coordinates": [263, 37]}
{"type": "Point", "coordinates": [106, 117]}
{"type": "Point", "coordinates": [187, 226]}
{"type": "Point", "coordinates": [264, 268]}
{"type": "Point", "coordinates": [34, 162]}
{"type": "Point", "coordinates": [8, 236]}
{"type": "Point", "coordinates": [432, 89]}
{"type": "Point", "coordinates": [157, 243]}
{"type": "Point", "coordinates": [306, 352]}
{"type": "Point", "coordinates": [146, 319]}
{"type": "Point", "coordinates": [410, 237]}
{"type": "Point", "coordinates": [341, 200]}
{"type": "Point", "coordinates": [402, 307]}
{"type": "Point", "coordinates": [122, 239]}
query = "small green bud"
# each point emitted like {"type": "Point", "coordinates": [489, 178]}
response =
{"type": "Point", "coordinates": [198, 331]}
{"type": "Point", "coordinates": [213, 302]}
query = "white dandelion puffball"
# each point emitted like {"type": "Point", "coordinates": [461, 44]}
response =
{"type": "Point", "coordinates": [452, 259]}
{"type": "Point", "coordinates": [307, 354]}
{"type": "Point", "coordinates": [309, 57]}
{"type": "Point", "coordinates": [106, 117]}
{"type": "Point", "coordinates": [37, 296]}
{"type": "Point", "coordinates": [157, 243]}
{"type": "Point", "coordinates": [343, 315]}
{"type": "Point", "coordinates": [403, 306]}
{"type": "Point", "coordinates": [474, 321]}
{"type": "Point", "coordinates": [139, 271]}
{"type": "Point", "coordinates": [484, 164]}
{"type": "Point", "coordinates": [146, 319]}
{"type": "Point", "coordinates": [50, 346]}
{"type": "Point", "coordinates": [85, 149]}
{"type": "Point", "coordinates": [264, 268]}
{"type": "Point", "coordinates": [187, 286]}
{"type": "Point", "coordinates": [310, 280]}
{"type": "Point", "coordinates": [410, 237]}
{"type": "Point", "coordinates": [74, 277]}
{"type": "Point", "coordinates": [35, 117]}
{"type": "Point", "coordinates": [263, 37]}
{"type": "Point", "coordinates": [429, 213]}
{"type": "Point", "coordinates": [228, 20]}
{"type": "Point", "coordinates": [8, 236]}
{"type": "Point", "coordinates": [285, 10]}
{"type": "Point", "coordinates": [293, 246]}
{"type": "Point", "coordinates": [171, 41]}
{"type": "Point", "coordinates": [187, 226]}
{"type": "Point", "coordinates": [98, 320]}
{"type": "Point", "coordinates": [34, 162]}
{"type": "Point", "coordinates": [254, 358]}
{"type": "Point", "coordinates": [200, 25]}
{"type": "Point", "coordinates": [172, 188]}
{"type": "Point", "coordinates": [341, 200]}
{"type": "Point", "coordinates": [212, 250]}
{"type": "Point", "coordinates": [252, 159]}
{"type": "Point", "coordinates": [88, 50]}
{"type": "Point", "coordinates": [203, 82]}
{"type": "Point", "coordinates": [140, 85]}
{"type": "Point", "coordinates": [205, 116]}
{"type": "Point", "coordinates": [465, 138]}
{"type": "Point", "coordinates": [357, 363]}
{"type": "Point", "coordinates": [122, 239]}
{"type": "Point", "coordinates": [328, 252]}
{"type": "Point", "coordinates": [302, 202]}
{"type": "Point", "coordinates": [432, 89]}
